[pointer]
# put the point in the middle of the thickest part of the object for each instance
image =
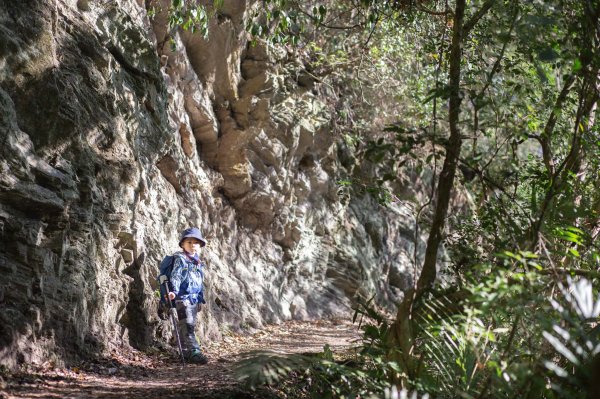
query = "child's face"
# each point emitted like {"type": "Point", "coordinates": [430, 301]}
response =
{"type": "Point", "coordinates": [191, 245]}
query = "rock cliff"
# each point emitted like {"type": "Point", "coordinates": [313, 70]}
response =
{"type": "Point", "coordinates": [113, 139]}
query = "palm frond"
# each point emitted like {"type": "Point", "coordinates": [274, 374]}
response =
{"type": "Point", "coordinates": [575, 339]}
{"type": "Point", "coordinates": [395, 393]}
{"type": "Point", "coordinates": [265, 367]}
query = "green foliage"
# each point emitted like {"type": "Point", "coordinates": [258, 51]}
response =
{"type": "Point", "coordinates": [376, 190]}
{"type": "Point", "coordinates": [366, 372]}
{"type": "Point", "coordinates": [292, 21]}
{"type": "Point", "coordinates": [187, 15]}
{"type": "Point", "coordinates": [508, 334]}
{"type": "Point", "coordinates": [280, 22]}
{"type": "Point", "coordinates": [259, 368]}
{"type": "Point", "coordinates": [496, 343]}
{"type": "Point", "coordinates": [575, 364]}
{"type": "Point", "coordinates": [193, 19]}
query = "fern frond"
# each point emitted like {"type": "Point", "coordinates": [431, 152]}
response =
{"type": "Point", "coordinates": [264, 367]}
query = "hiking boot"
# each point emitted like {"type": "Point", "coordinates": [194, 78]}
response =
{"type": "Point", "coordinates": [197, 357]}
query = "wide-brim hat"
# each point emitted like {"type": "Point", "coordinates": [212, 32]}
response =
{"type": "Point", "coordinates": [192, 232]}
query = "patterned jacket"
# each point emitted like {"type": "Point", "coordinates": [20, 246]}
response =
{"type": "Point", "coordinates": [187, 278]}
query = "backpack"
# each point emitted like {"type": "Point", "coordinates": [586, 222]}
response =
{"type": "Point", "coordinates": [164, 278]}
{"type": "Point", "coordinates": [164, 282]}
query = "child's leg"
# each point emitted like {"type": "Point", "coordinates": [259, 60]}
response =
{"type": "Point", "coordinates": [187, 314]}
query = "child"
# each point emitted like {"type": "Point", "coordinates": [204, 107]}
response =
{"type": "Point", "coordinates": [186, 281]}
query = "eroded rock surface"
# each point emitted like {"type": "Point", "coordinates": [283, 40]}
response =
{"type": "Point", "coordinates": [112, 141]}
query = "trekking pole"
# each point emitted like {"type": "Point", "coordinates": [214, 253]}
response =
{"type": "Point", "coordinates": [173, 312]}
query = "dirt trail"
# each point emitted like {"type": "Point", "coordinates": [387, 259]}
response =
{"type": "Point", "coordinates": [138, 375]}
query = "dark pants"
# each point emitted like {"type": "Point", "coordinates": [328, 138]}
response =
{"type": "Point", "coordinates": [187, 315]}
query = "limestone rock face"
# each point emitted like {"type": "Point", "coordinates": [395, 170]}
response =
{"type": "Point", "coordinates": [113, 140]}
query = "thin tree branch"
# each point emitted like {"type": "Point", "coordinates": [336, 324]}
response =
{"type": "Point", "coordinates": [496, 66]}
{"type": "Point", "coordinates": [587, 99]}
{"type": "Point", "coordinates": [569, 271]}
{"type": "Point", "coordinates": [420, 7]}
{"type": "Point", "coordinates": [446, 180]}
{"type": "Point", "coordinates": [470, 24]}
{"type": "Point", "coordinates": [511, 338]}
{"type": "Point", "coordinates": [546, 136]}
{"type": "Point", "coordinates": [372, 31]}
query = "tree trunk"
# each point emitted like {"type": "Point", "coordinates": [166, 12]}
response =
{"type": "Point", "coordinates": [446, 179]}
{"type": "Point", "coordinates": [401, 335]}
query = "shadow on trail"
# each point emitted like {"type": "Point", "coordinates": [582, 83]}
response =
{"type": "Point", "coordinates": [162, 376]}
{"type": "Point", "coordinates": [191, 381]}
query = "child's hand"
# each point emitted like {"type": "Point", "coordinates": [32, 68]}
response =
{"type": "Point", "coordinates": [171, 295]}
